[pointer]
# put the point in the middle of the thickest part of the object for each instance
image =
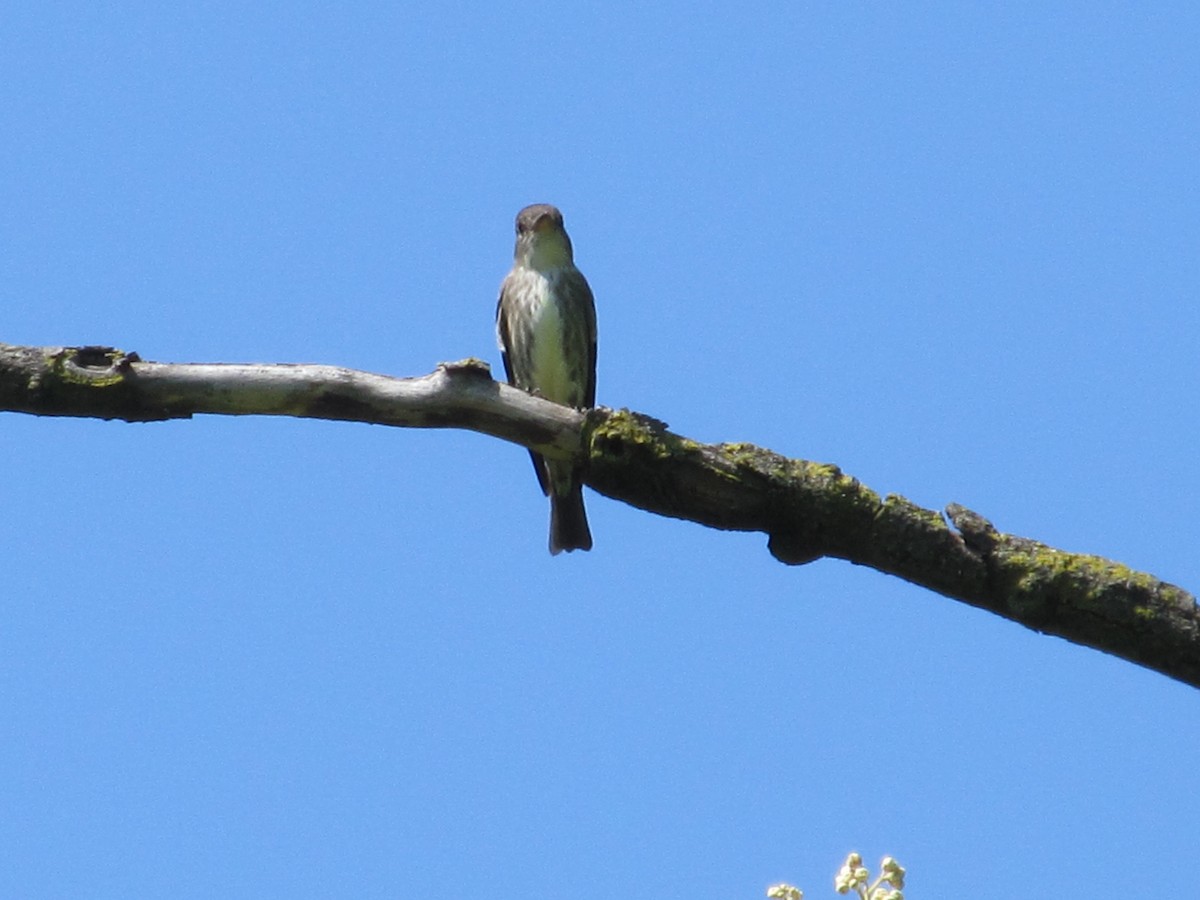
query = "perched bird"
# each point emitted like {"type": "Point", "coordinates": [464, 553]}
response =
{"type": "Point", "coordinates": [546, 324]}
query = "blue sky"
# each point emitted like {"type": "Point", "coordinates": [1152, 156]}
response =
{"type": "Point", "coordinates": [950, 247]}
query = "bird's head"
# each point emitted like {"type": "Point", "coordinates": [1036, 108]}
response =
{"type": "Point", "coordinates": [542, 241]}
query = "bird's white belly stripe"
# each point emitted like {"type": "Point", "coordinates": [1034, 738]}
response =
{"type": "Point", "coordinates": [550, 371]}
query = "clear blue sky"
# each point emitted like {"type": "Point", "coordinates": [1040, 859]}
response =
{"type": "Point", "coordinates": [951, 248]}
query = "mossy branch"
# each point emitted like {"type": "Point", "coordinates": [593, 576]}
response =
{"type": "Point", "coordinates": [812, 510]}
{"type": "Point", "coordinates": [808, 510]}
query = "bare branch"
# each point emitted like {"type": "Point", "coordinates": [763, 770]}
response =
{"type": "Point", "coordinates": [809, 510]}
{"type": "Point", "coordinates": [105, 383]}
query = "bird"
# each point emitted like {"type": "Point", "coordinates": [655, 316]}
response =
{"type": "Point", "coordinates": [546, 328]}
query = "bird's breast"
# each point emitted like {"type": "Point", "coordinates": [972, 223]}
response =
{"type": "Point", "coordinates": [553, 373]}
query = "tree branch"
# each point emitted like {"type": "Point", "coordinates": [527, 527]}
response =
{"type": "Point", "coordinates": [808, 510]}
{"type": "Point", "coordinates": [105, 383]}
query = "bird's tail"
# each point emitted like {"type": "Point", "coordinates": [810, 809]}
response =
{"type": "Point", "coordinates": [568, 521]}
